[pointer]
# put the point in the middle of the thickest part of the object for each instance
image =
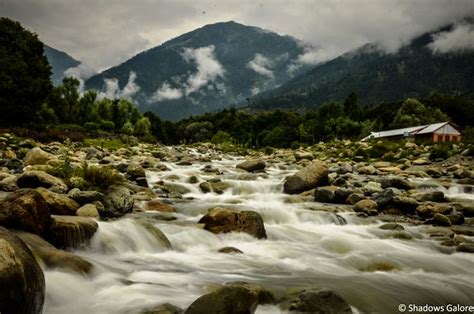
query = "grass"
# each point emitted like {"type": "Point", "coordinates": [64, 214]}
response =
{"type": "Point", "coordinates": [112, 144]}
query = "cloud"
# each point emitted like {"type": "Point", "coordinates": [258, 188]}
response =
{"type": "Point", "coordinates": [113, 91]}
{"type": "Point", "coordinates": [208, 67]}
{"type": "Point", "coordinates": [261, 65]}
{"type": "Point", "coordinates": [81, 72]}
{"type": "Point", "coordinates": [166, 92]}
{"type": "Point", "coordinates": [458, 40]}
{"type": "Point", "coordinates": [208, 70]}
{"type": "Point", "coordinates": [80, 27]}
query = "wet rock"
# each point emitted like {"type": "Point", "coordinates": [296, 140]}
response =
{"type": "Point", "coordinates": [265, 296]}
{"type": "Point", "coordinates": [117, 202]}
{"type": "Point", "coordinates": [252, 165]}
{"type": "Point", "coordinates": [85, 197]}
{"type": "Point", "coordinates": [22, 284]}
{"type": "Point", "coordinates": [71, 231]}
{"type": "Point", "coordinates": [176, 188]}
{"type": "Point", "coordinates": [35, 179]}
{"type": "Point", "coordinates": [303, 156]}
{"type": "Point", "coordinates": [221, 220]}
{"type": "Point", "coordinates": [467, 230]}
{"type": "Point", "coordinates": [52, 257]}
{"type": "Point", "coordinates": [384, 199]}
{"type": "Point", "coordinates": [312, 176]}
{"type": "Point", "coordinates": [354, 198]}
{"type": "Point", "coordinates": [405, 204]}
{"type": "Point", "coordinates": [142, 181]}
{"type": "Point", "coordinates": [317, 301]}
{"type": "Point", "coordinates": [441, 220]}
{"type": "Point", "coordinates": [37, 156]}
{"type": "Point", "coordinates": [91, 152]}
{"type": "Point", "coordinates": [219, 186]}
{"type": "Point", "coordinates": [193, 180]}
{"type": "Point", "coordinates": [373, 187]}
{"type": "Point", "coordinates": [88, 210]}
{"type": "Point", "coordinates": [205, 187]}
{"type": "Point", "coordinates": [230, 249]}
{"type": "Point", "coordinates": [366, 206]}
{"type": "Point", "coordinates": [59, 204]}
{"type": "Point", "coordinates": [226, 300]}
{"type": "Point", "coordinates": [157, 205]}
{"type": "Point", "coordinates": [165, 308]}
{"type": "Point", "coordinates": [135, 171]}
{"type": "Point", "coordinates": [435, 196]}
{"type": "Point", "coordinates": [367, 170]}
{"type": "Point", "coordinates": [156, 233]}
{"type": "Point", "coordinates": [466, 247]}
{"type": "Point", "coordinates": [324, 195]}
{"type": "Point", "coordinates": [396, 182]}
{"type": "Point", "coordinates": [456, 218]}
{"type": "Point", "coordinates": [429, 209]}
{"type": "Point", "coordinates": [341, 195]}
{"type": "Point", "coordinates": [25, 210]}
{"type": "Point", "coordinates": [392, 226]}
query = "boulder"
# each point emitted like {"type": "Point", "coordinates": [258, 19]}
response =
{"type": "Point", "coordinates": [429, 209]}
{"type": "Point", "coordinates": [135, 171]}
{"type": "Point", "coordinates": [317, 301]}
{"type": "Point", "coordinates": [226, 300]}
{"type": "Point", "coordinates": [366, 206]}
{"type": "Point", "coordinates": [52, 257]}
{"type": "Point", "coordinates": [157, 205]}
{"type": "Point", "coordinates": [252, 165]}
{"type": "Point", "coordinates": [392, 226]}
{"type": "Point", "coordinates": [22, 284]}
{"type": "Point", "coordinates": [435, 196]}
{"type": "Point", "coordinates": [312, 176]}
{"type": "Point", "coordinates": [303, 156]}
{"type": "Point", "coordinates": [354, 198]}
{"type": "Point", "coordinates": [71, 231]}
{"type": "Point", "coordinates": [117, 202]}
{"type": "Point", "coordinates": [441, 220]}
{"type": "Point", "coordinates": [59, 204]}
{"type": "Point", "coordinates": [205, 187]}
{"type": "Point", "coordinates": [396, 182]}
{"type": "Point", "coordinates": [88, 210]}
{"type": "Point", "coordinates": [37, 156]}
{"type": "Point", "coordinates": [230, 249]}
{"type": "Point", "coordinates": [341, 195]}
{"type": "Point", "coordinates": [405, 204]}
{"type": "Point", "coordinates": [25, 210]}
{"type": "Point", "coordinates": [36, 179]}
{"type": "Point", "coordinates": [324, 195]}
{"type": "Point", "coordinates": [222, 220]}
{"type": "Point", "coordinates": [8, 184]}
{"type": "Point", "coordinates": [85, 197]}
{"type": "Point", "coordinates": [165, 308]}
{"type": "Point", "coordinates": [384, 199]}
{"type": "Point", "coordinates": [265, 296]}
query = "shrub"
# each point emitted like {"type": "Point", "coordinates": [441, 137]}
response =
{"type": "Point", "coordinates": [439, 152]}
{"type": "Point", "coordinates": [99, 177]}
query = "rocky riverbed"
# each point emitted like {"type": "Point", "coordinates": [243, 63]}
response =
{"type": "Point", "coordinates": [194, 229]}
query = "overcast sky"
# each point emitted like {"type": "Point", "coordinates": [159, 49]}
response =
{"type": "Point", "coordinates": [103, 33]}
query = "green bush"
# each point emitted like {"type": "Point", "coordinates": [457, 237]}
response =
{"type": "Point", "coordinates": [99, 177]}
{"type": "Point", "coordinates": [440, 151]}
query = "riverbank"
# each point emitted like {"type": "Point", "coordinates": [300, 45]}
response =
{"type": "Point", "coordinates": [324, 227]}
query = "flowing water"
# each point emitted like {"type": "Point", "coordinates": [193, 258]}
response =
{"type": "Point", "coordinates": [371, 268]}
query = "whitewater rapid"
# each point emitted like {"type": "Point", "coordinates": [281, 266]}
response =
{"type": "Point", "coordinates": [373, 269]}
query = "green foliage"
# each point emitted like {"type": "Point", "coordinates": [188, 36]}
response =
{"type": "Point", "coordinates": [112, 144]}
{"type": "Point", "coordinates": [142, 127]}
{"type": "Point", "coordinates": [99, 177]}
{"type": "Point", "coordinates": [24, 74]}
{"type": "Point", "coordinates": [413, 113]}
{"type": "Point", "coordinates": [221, 137]}
{"type": "Point", "coordinates": [440, 151]}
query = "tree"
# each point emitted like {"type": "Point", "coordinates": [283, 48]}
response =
{"type": "Point", "coordinates": [414, 113]}
{"type": "Point", "coordinates": [142, 127]}
{"type": "Point", "coordinates": [352, 107]}
{"type": "Point", "coordinates": [24, 74]}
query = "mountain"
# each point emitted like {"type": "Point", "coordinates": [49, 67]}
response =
{"type": "Point", "coordinates": [60, 62]}
{"type": "Point", "coordinates": [430, 62]}
{"type": "Point", "coordinates": [204, 70]}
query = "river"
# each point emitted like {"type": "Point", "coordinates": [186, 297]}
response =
{"type": "Point", "coordinates": [373, 269]}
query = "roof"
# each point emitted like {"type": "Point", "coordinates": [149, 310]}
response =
{"type": "Point", "coordinates": [414, 130]}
